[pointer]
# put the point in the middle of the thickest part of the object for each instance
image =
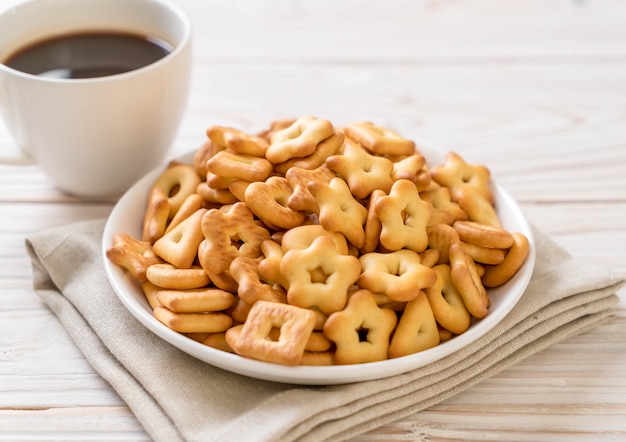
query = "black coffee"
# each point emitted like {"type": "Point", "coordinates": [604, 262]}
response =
{"type": "Point", "coordinates": [88, 55]}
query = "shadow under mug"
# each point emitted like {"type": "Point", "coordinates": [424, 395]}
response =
{"type": "Point", "coordinates": [96, 136]}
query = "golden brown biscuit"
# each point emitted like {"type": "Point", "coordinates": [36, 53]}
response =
{"type": "Point", "coordinates": [319, 276]}
{"type": "Point", "coordinates": [217, 341]}
{"type": "Point", "coordinates": [239, 166]}
{"type": "Point", "coordinates": [363, 172]}
{"type": "Point", "coordinates": [268, 201]}
{"type": "Point", "coordinates": [169, 277]}
{"type": "Point", "coordinates": [150, 291]}
{"type": "Point", "coordinates": [361, 331]}
{"type": "Point", "coordinates": [483, 234]}
{"type": "Point", "coordinates": [467, 281]}
{"type": "Point", "coordinates": [210, 322]}
{"type": "Point", "coordinates": [251, 287]}
{"type": "Point", "coordinates": [455, 173]}
{"type": "Point", "coordinates": [399, 274]}
{"type": "Point", "coordinates": [298, 178]}
{"type": "Point", "coordinates": [339, 211]}
{"type": "Point", "coordinates": [404, 217]}
{"type": "Point", "coordinates": [417, 329]}
{"type": "Point", "coordinates": [324, 149]}
{"type": "Point", "coordinates": [195, 300]}
{"type": "Point", "coordinates": [378, 139]}
{"type": "Point", "coordinates": [298, 140]}
{"type": "Point", "coordinates": [373, 226]}
{"type": "Point", "coordinates": [295, 324]}
{"type": "Point", "coordinates": [515, 257]}
{"type": "Point", "coordinates": [440, 238]}
{"type": "Point", "coordinates": [227, 235]}
{"type": "Point", "coordinates": [192, 204]}
{"type": "Point", "coordinates": [477, 207]}
{"type": "Point", "coordinates": [447, 303]}
{"type": "Point", "coordinates": [483, 255]}
{"type": "Point", "coordinates": [156, 216]}
{"type": "Point", "coordinates": [179, 246]}
{"type": "Point", "coordinates": [238, 141]}
{"type": "Point", "coordinates": [176, 183]}
{"type": "Point", "coordinates": [408, 167]}
{"type": "Point", "coordinates": [441, 199]}
{"type": "Point", "coordinates": [133, 255]}
{"type": "Point", "coordinates": [302, 237]}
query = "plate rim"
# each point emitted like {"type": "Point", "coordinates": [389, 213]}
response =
{"type": "Point", "coordinates": [309, 375]}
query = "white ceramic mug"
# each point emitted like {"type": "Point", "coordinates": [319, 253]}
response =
{"type": "Point", "coordinates": [96, 136]}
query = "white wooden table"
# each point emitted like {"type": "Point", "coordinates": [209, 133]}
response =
{"type": "Point", "coordinates": [534, 89]}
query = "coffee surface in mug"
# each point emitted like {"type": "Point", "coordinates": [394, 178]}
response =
{"type": "Point", "coordinates": [88, 55]}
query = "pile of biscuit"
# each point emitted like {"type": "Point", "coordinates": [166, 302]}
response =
{"type": "Point", "coordinates": [309, 244]}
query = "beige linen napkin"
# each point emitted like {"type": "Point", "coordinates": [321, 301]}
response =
{"type": "Point", "coordinates": [177, 397]}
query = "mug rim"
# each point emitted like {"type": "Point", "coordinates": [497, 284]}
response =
{"type": "Point", "coordinates": [181, 46]}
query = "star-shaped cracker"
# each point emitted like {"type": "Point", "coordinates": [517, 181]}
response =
{"type": "Point", "coordinates": [361, 331]}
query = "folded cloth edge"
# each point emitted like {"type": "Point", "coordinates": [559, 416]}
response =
{"type": "Point", "coordinates": [400, 404]}
{"type": "Point", "coordinates": [142, 404]}
{"type": "Point", "coordinates": [371, 420]}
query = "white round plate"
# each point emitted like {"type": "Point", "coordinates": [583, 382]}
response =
{"type": "Point", "coordinates": [127, 217]}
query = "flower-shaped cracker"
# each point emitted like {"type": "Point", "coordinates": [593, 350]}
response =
{"type": "Point", "coordinates": [399, 275]}
{"type": "Point", "coordinates": [404, 217]}
{"type": "Point", "coordinates": [319, 276]}
{"type": "Point", "coordinates": [363, 172]}
{"type": "Point", "coordinates": [339, 211]}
